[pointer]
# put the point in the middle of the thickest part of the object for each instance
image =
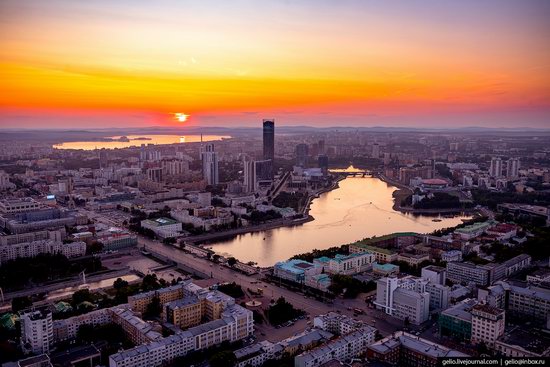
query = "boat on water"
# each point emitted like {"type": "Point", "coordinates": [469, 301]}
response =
{"type": "Point", "coordinates": [436, 220]}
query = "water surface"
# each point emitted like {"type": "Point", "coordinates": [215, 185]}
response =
{"type": "Point", "coordinates": [137, 140]}
{"type": "Point", "coordinates": [359, 208]}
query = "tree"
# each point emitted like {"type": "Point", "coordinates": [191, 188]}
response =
{"type": "Point", "coordinates": [150, 282]}
{"type": "Point", "coordinates": [119, 284]}
{"type": "Point", "coordinates": [231, 261]}
{"type": "Point", "coordinates": [82, 295]}
{"type": "Point", "coordinates": [225, 358]}
{"type": "Point", "coordinates": [153, 309]}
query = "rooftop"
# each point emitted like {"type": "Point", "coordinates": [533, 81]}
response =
{"type": "Point", "coordinates": [532, 340]}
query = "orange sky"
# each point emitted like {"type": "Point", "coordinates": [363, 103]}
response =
{"type": "Point", "coordinates": [421, 63]}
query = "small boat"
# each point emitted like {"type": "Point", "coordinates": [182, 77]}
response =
{"type": "Point", "coordinates": [436, 220]}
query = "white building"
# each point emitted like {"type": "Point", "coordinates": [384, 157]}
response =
{"type": "Point", "coordinates": [495, 170]}
{"type": "Point", "coordinates": [346, 264]}
{"type": "Point", "coordinates": [400, 299]}
{"type": "Point", "coordinates": [344, 348]}
{"type": "Point", "coordinates": [256, 354]}
{"type": "Point", "coordinates": [512, 168]}
{"type": "Point", "coordinates": [210, 165]}
{"type": "Point", "coordinates": [34, 248]}
{"type": "Point", "coordinates": [36, 331]}
{"type": "Point", "coordinates": [487, 324]}
{"type": "Point", "coordinates": [163, 227]}
{"type": "Point", "coordinates": [434, 274]}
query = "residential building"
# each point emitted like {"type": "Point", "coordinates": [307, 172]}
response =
{"type": "Point", "coordinates": [140, 301]}
{"type": "Point", "coordinates": [512, 168]}
{"type": "Point", "coordinates": [184, 313]}
{"type": "Point", "coordinates": [36, 331]}
{"type": "Point", "coordinates": [256, 354]}
{"type": "Point", "coordinates": [35, 248]}
{"type": "Point", "coordinates": [406, 350]}
{"type": "Point", "coordinates": [495, 170]}
{"type": "Point", "coordinates": [210, 165]}
{"type": "Point", "coordinates": [413, 259]}
{"type": "Point", "coordinates": [343, 348]}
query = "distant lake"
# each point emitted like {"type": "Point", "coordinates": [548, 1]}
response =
{"type": "Point", "coordinates": [136, 141]}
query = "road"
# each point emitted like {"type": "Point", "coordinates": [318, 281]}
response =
{"type": "Point", "coordinates": [313, 307]}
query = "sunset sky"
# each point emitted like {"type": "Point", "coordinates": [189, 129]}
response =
{"type": "Point", "coordinates": [430, 63]}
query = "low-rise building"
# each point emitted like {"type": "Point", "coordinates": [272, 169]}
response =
{"type": "Point", "coordinates": [413, 259]}
{"type": "Point", "coordinates": [451, 256]}
{"type": "Point", "coordinates": [343, 348]}
{"type": "Point", "coordinates": [163, 227]}
{"type": "Point", "coordinates": [522, 342]}
{"type": "Point", "coordinates": [456, 321]}
{"type": "Point", "coordinates": [404, 349]}
{"type": "Point", "coordinates": [487, 324]}
{"type": "Point", "coordinates": [346, 264]}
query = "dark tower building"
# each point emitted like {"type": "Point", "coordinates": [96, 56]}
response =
{"type": "Point", "coordinates": [269, 142]}
{"type": "Point", "coordinates": [323, 163]}
{"type": "Point", "coordinates": [301, 154]}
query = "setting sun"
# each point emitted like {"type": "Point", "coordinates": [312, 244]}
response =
{"type": "Point", "coordinates": [181, 117]}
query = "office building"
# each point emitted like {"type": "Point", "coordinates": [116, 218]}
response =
{"type": "Point", "coordinates": [528, 301]}
{"type": "Point", "coordinates": [269, 144]}
{"type": "Point", "coordinates": [487, 324]}
{"type": "Point", "coordinates": [376, 150]}
{"type": "Point", "coordinates": [346, 264]}
{"type": "Point", "coordinates": [184, 313]}
{"type": "Point", "coordinates": [249, 172]}
{"type": "Point", "coordinates": [456, 321]}
{"type": "Point", "coordinates": [11, 206]}
{"type": "Point", "coordinates": [163, 227]}
{"type": "Point", "coordinates": [399, 299]}
{"type": "Point", "coordinates": [210, 165]}
{"type": "Point", "coordinates": [302, 152]}
{"type": "Point", "coordinates": [36, 331]}
{"type": "Point", "coordinates": [434, 274]}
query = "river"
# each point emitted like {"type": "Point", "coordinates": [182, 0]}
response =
{"type": "Point", "coordinates": [361, 207]}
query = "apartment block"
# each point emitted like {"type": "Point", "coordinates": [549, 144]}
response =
{"type": "Point", "coordinates": [36, 331]}
{"type": "Point", "coordinates": [343, 348]}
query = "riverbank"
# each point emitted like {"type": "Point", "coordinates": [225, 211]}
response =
{"type": "Point", "coordinates": [404, 191]}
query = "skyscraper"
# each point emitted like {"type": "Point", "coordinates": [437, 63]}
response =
{"type": "Point", "coordinates": [301, 154]}
{"type": "Point", "coordinates": [269, 142]}
{"type": "Point", "coordinates": [322, 160]}
{"type": "Point", "coordinates": [210, 164]}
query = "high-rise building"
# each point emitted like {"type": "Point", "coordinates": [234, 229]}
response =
{"type": "Point", "coordinates": [210, 164]}
{"type": "Point", "coordinates": [512, 168]}
{"type": "Point", "coordinates": [249, 175]}
{"type": "Point", "coordinates": [495, 169]}
{"type": "Point", "coordinates": [301, 154]}
{"type": "Point", "coordinates": [269, 142]}
{"type": "Point", "coordinates": [37, 331]}
{"type": "Point", "coordinates": [323, 163]}
{"type": "Point", "coordinates": [321, 145]}
{"type": "Point", "coordinates": [376, 150]}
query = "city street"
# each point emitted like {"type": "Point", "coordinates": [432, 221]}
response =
{"type": "Point", "coordinates": [382, 322]}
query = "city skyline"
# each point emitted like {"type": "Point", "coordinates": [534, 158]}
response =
{"type": "Point", "coordinates": [407, 64]}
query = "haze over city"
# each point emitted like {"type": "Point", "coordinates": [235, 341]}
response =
{"type": "Point", "coordinates": [319, 63]}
